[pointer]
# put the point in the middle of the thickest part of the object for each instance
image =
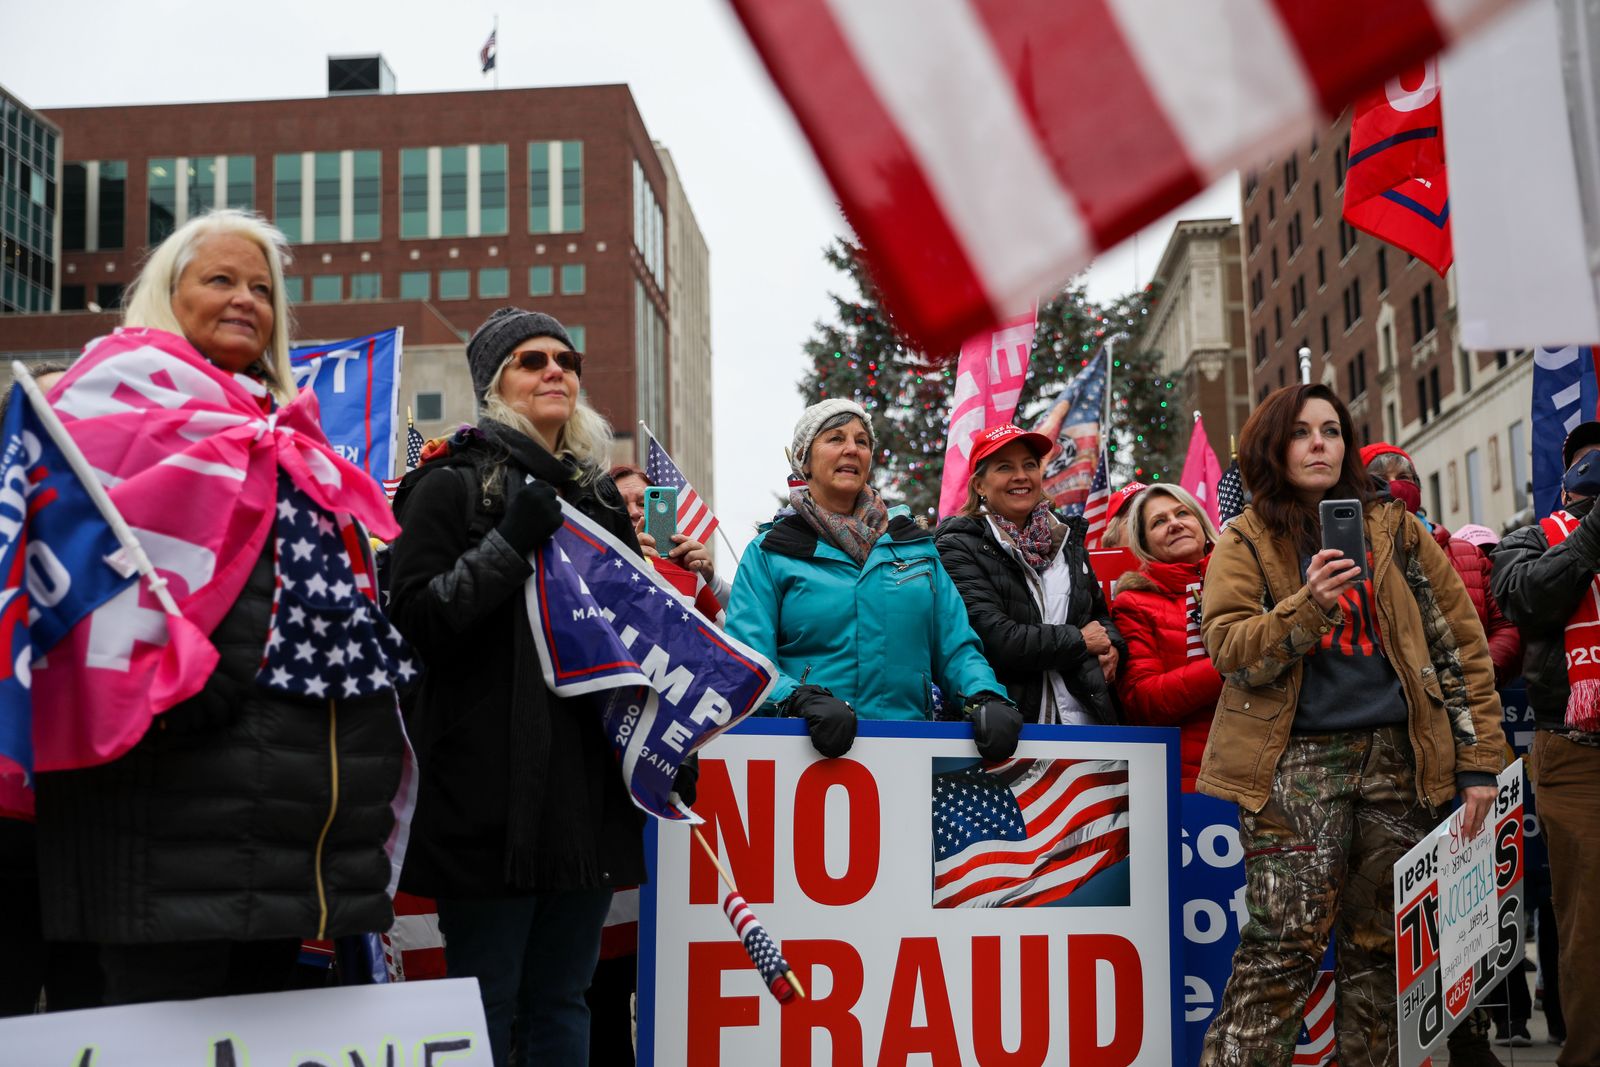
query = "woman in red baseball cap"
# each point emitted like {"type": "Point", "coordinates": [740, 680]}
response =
{"type": "Point", "coordinates": [1030, 593]}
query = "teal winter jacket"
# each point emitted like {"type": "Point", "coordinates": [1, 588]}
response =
{"type": "Point", "coordinates": [878, 636]}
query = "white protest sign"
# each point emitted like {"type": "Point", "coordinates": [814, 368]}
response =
{"type": "Point", "coordinates": [409, 1024]}
{"type": "Point", "coordinates": [929, 906]}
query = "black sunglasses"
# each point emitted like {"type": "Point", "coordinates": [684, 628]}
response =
{"type": "Point", "coordinates": [535, 361]}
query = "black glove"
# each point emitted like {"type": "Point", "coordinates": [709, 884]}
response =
{"type": "Point", "coordinates": [830, 721]}
{"type": "Point", "coordinates": [687, 781]}
{"type": "Point", "coordinates": [533, 512]}
{"type": "Point", "coordinates": [996, 723]}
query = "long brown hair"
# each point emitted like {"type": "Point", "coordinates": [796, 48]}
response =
{"type": "Point", "coordinates": [1263, 464]}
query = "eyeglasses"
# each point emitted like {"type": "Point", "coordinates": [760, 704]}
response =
{"type": "Point", "coordinates": [535, 361]}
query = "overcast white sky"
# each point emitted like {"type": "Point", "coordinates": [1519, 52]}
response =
{"type": "Point", "coordinates": [757, 192]}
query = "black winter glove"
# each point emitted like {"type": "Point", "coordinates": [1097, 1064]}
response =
{"type": "Point", "coordinates": [686, 783]}
{"type": "Point", "coordinates": [533, 512]}
{"type": "Point", "coordinates": [996, 724]}
{"type": "Point", "coordinates": [830, 721]}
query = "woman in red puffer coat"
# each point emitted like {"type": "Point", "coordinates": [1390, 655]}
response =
{"type": "Point", "coordinates": [1167, 679]}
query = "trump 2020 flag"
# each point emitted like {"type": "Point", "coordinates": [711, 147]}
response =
{"type": "Point", "coordinates": [989, 379]}
{"type": "Point", "coordinates": [666, 680]}
{"type": "Point", "coordinates": [1073, 422]}
{"type": "Point", "coordinates": [1566, 392]}
{"type": "Point", "coordinates": [1395, 187]}
{"type": "Point", "coordinates": [56, 554]}
{"type": "Point", "coordinates": [357, 383]}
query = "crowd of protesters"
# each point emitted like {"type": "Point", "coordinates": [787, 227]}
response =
{"type": "Point", "coordinates": [1344, 704]}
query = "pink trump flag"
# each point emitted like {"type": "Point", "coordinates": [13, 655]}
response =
{"type": "Point", "coordinates": [189, 456]}
{"type": "Point", "coordinates": [1201, 471]}
{"type": "Point", "coordinates": [989, 379]}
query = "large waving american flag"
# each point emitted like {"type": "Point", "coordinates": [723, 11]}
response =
{"type": "Point", "coordinates": [1026, 832]}
{"type": "Point", "coordinates": [984, 150]}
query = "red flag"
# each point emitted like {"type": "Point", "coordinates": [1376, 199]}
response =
{"type": "Point", "coordinates": [1202, 474]}
{"type": "Point", "coordinates": [984, 150]}
{"type": "Point", "coordinates": [989, 379]}
{"type": "Point", "coordinates": [1395, 187]}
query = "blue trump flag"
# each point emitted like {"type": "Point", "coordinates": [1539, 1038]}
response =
{"type": "Point", "coordinates": [357, 383]}
{"type": "Point", "coordinates": [666, 680]}
{"type": "Point", "coordinates": [1565, 393]}
{"type": "Point", "coordinates": [59, 560]}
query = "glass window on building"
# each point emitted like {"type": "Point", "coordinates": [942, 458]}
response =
{"type": "Point", "coordinates": [572, 278]}
{"type": "Point", "coordinates": [580, 337]}
{"type": "Point", "coordinates": [416, 285]}
{"type": "Point", "coordinates": [74, 207]}
{"type": "Point", "coordinates": [327, 288]}
{"type": "Point", "coordinates": [202, 186]}
{"type": "Point", "coordinates": [287, 210]}
{"type": "Point", "coordinates": [325, 196]}
{"type": "Point", "coordinates": [1474, 485]}
{"type": "Point", "coordinates": [492, 195]}
{"type": "Point", "coordinates": [294, 289]}
{"type": "Point", "coordinates": [571, 186]}
{"type": "Point", "coordinates": [453, 191]}
{"type": "Point", "coordinates": [541, 281]}
{"type": "Point", "coordinates": [241, 190]}
{"type": "Point", "coordinates": [366, 286]}
{"type": "Point", "coordinates": [494, 282]}
{"type": "Point", "coordinates": [109, 295]}
{"type": "Point", "coordinates": [74, 298]}
{"type": "Point", "coordinates": [455, 285]}
{"type": "Point", "coordinates": [161, 199]}
{"type": "Point", "coordinates": [555, 186]}
{"type": "Point", "coordinates": [429, 407]}
{"type": "Point", "coordinates": [1518, 441]}
{"type": "Point", "coordinates": [113, 211]}
{"type": "Point", "coordinates": [539, 187]}
{"type": "Point", "coordinates": [413, 192]}
{"type": "Point", "coordinates": [366, 177]}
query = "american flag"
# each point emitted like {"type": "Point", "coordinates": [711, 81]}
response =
{"type": "Point", "coordinates": [414, 443]}
{"type": "Point", "coordinates": [925, 96]}
{"type": "Point", "coordinates": [1230, 495]}
{"type": "Point", "coordinates": [758, 943]}
{"type": "Point", "coordinates": [487, 54]}
{"type": "Point", "coordinates": [1318, 1044]}
{"type": "Point", "coordinates": [695, 519]}
{"type": "Point", "coordinates": [1096, 507]}
{"type": "Point", "coordinates": [1194, 645]}
{"type": "Point", "coordinates": [413, 949]}
{"type": "Point", "coordinates": [327, 638]}
{"type": "Point", "coordinates": [1073, 423]}
{"type": "Point", "coordinates": [1026, 832]}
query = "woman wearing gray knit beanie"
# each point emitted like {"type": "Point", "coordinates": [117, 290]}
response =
{"type": "Point", "coordinates": [848, 598]}
{"type": "Point", "coordinates": [523, 825]}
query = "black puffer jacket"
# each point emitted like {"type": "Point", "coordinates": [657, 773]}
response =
{"type": "Point", "coordinates": [1538, 588]}
{"type": "Point", "coordinates": [1018, 644]}
{"type": "Point", "coordinates": [243, 814]}
{"type": "Point", "coordinates": [456, 594]}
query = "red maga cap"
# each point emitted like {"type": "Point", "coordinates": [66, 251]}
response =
{"type": "Point", "coordinates": [997, 437]}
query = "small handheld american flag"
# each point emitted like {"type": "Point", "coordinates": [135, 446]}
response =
{"type": "Point", "coordinates": [763, 951]}
{"type": "Point", "coordinates": [695, 519]}
{"type": "Point", "coordinates": [414, 443]}
{"type": "Point", "coordinates": [1230, 495]}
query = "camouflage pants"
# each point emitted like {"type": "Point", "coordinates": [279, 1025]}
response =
{"type": "Point", "coordinates": [1319, 860]}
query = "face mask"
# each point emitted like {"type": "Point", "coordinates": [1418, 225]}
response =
{"type": "Point", "coordinates": [1408, 493]}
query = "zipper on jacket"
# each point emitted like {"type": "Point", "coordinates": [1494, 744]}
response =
{"type": "Point", "coordinates": [333, 809]}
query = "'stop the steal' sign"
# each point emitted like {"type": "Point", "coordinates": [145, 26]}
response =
{"type": "Point", "coordinates": [357, 383]}
{"type": "Point", "coordinates": [1458, 920]}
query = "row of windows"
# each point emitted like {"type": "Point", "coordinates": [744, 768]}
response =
{"type": "Point", "coordinates": [649, 226]}
{"type": "Point", "coordinates": [93, 205]}
{"type": "Point", "coordinates": [26, 138]}
{"type": "Point", "coordinates": [493, 283]}
{"type": "Point", "coordinates": [180, 188]}
{"type": "Point", "coordinates": [327, 196]}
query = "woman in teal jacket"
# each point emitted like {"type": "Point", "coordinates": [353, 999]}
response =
{"type": "Point", "coordinates": [851, 602]}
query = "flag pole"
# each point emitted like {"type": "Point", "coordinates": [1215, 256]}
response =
{"type": "Point", "coordinates": [91, 484]}
{"type": "Point", "coordinates": [497, 51]}
{"type": "Point", "coordinates": [728, 879]}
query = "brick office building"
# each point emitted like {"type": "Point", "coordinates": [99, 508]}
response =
{"type": "Point", "coordinates": [451, 204]}
{"type": "Point", "coordinates": [1381, 328]}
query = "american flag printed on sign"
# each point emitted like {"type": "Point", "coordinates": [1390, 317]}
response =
{"type": "Point", "coordinates": [695, 519]}
{"type": "Point", "coordinates": [1096, 507]}
{"type": "Point", "coordinates": [982, 150]}
{"type": "Point", "coordinates": [1026, 832]}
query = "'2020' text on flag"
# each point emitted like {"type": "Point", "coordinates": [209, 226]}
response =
{"type": "Point", "coordinates": [984, 150]}
{"type": "Point", "coordinates": [989, 379]}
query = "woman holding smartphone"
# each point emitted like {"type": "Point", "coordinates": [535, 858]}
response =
{"type": "Point", "coordinates": [1354, 709]}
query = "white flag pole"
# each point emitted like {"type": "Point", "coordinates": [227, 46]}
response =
{"type": "Point", "coordinates": [97, 493]}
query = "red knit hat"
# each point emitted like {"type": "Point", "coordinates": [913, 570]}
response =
{"type": "Point", "coordinates": [1383, 448]}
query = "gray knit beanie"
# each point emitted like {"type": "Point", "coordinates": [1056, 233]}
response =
{"type": "Point", "coordinates": [499, 335]}
{"type": "Point", "coordinates": [811, 423]}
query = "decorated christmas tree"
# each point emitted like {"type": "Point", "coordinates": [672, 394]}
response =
{"type": "Point", "coordinates": [861, 355]}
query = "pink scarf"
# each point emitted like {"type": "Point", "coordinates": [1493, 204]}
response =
{"type": "Point", "coordinates": [1583, 639]}
{"type": "Point", "coordinates": [191, 461]}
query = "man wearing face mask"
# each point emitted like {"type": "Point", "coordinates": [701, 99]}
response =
{"type": "Point", "coordinates": [1547, 578]}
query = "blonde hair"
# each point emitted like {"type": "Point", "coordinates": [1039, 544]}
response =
{"type": "Point", "coordinates": [149, 299]}
{"type": "Point", "coordinates": [1116, 531]}
{"type": "Point", "coordinates": [1135, 518]}
{"type": "Point", "coordinates": [585, 436]}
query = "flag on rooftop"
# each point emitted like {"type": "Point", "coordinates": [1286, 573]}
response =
{"type": "Point", "coordinates": [487, 54]}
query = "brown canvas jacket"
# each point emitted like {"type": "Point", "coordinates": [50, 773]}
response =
{"type": "Point", "coordinates": [1258, 622]}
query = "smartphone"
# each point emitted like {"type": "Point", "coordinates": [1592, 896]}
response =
{"type": "Point", "coordinates": [1343, 529]}
{"type": "Point", "coordinates": [661, 515]}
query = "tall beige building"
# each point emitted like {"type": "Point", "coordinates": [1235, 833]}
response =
{"type": "Point", "coordinates": [1197, 326]}
{"type": "Point", "coordinates": [688, 337]}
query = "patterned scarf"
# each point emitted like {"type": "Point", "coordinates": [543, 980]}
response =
{"type": "Point", "coordinates": [853, 534]}
{"type": "Point", "coordinates": [1583, 639]}
{"type": "Point", "coordinates": [1033, 539]}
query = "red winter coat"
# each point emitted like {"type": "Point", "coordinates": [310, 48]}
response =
{"type": "Point", "coordinates": [1477, 571]}
{"type": "Point", "coordinates": [1158, 684]}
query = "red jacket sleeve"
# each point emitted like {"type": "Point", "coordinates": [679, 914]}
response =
{"type": "Point", "coordinates": [1151, 694]}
